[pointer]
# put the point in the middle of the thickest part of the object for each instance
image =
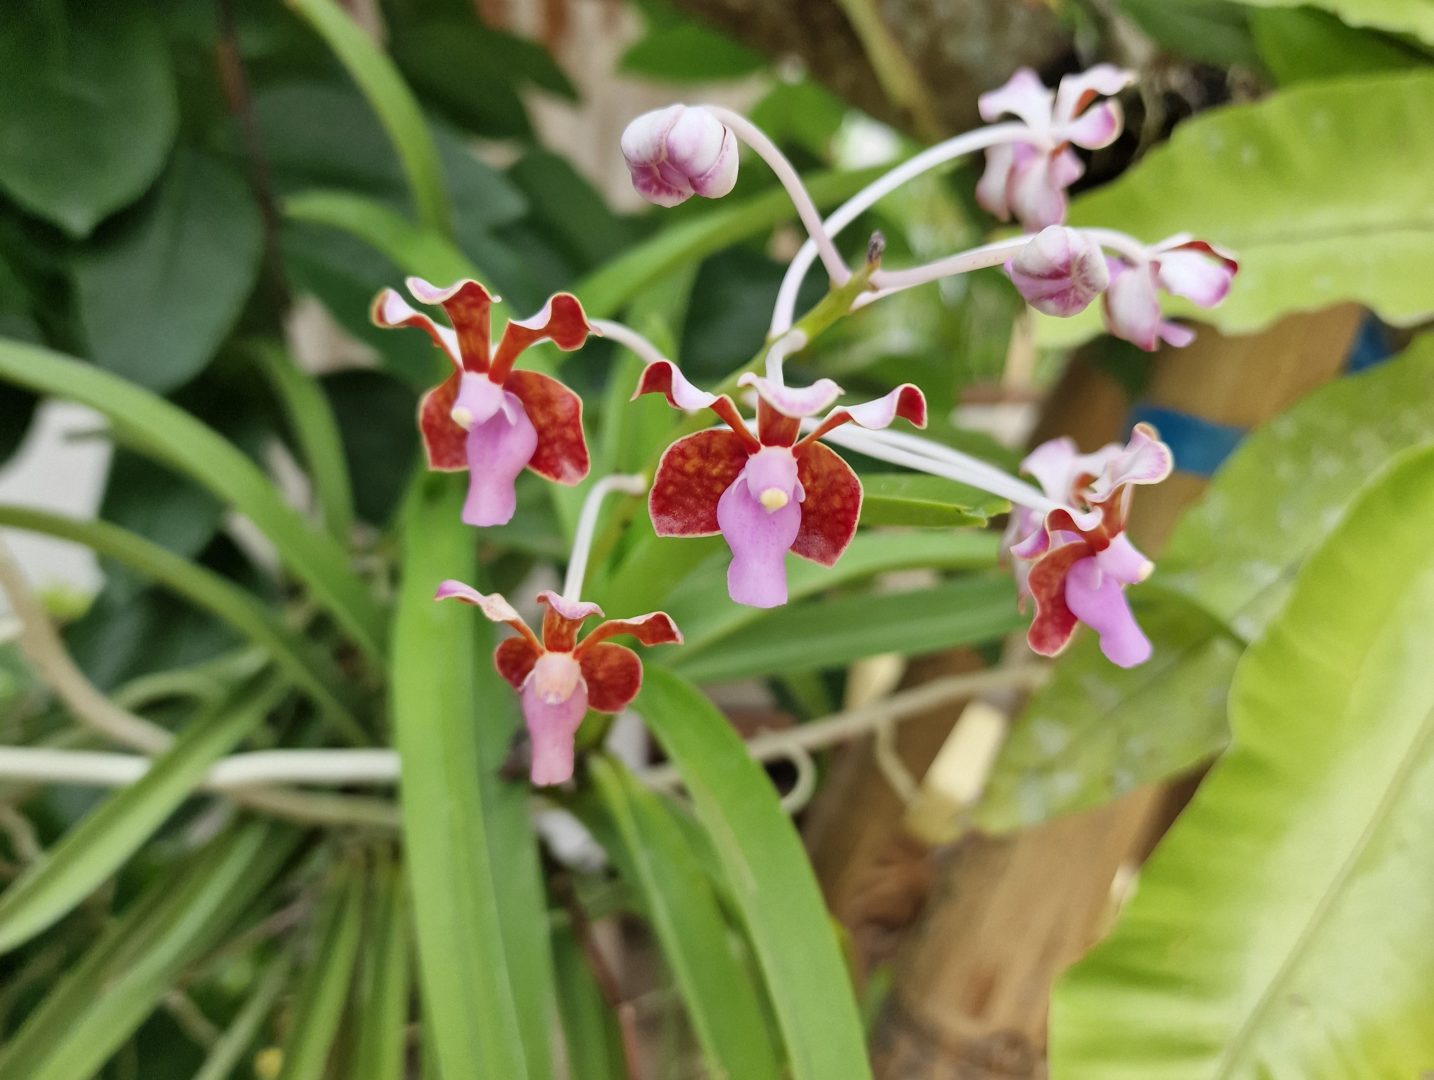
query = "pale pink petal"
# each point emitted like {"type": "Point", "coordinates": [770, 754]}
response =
{"type": "Point", "coordinates": [1023, 95]}
{"type": "Point", "coordinates": [1175, 335]}
{"type": "Point", "coordinates": [666, 378]}
{"type": "Point", "coordinates": [1037, 195]}
{"type": "Point", "coordinates": [993, 188]}
{"type": "Point", "coordinates": [906, 402]}
{"type": "Point", "coordinates": [1060, 271]}
{"type": "Point", "coordinates": [552, 719]}
{"type": "Point", "coordinates": [759, 540]}
{"type": "Point", "coordinates": [492, 605]}
{"type": "Point", "coordinates": [1077, 92]}
{"type": "Point", "coordinates": [1124, 562]}
{"type": "Point", "coordinates": [1098, 600]}
{"type": "Point", "coordinates": [1132, 310]}
{"type": "Point", "coordinates": [1098, 127]}
{"type": "Point", "coordinates": [1054, 465]}
{"type": "Point", "coordinates": [576, 610]}
{"type": "Point", "coordinates": [1142, 460]}
{"type": "Point", "coordinates": [794, 401]}
{"type": "Point", "coordinates": [498, 450]}
{"type": "Point", "coordinates": [1198, 277]}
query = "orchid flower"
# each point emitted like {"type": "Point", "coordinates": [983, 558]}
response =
{"type": "Point", "coordinates": [1075, 561]}
{"type": "Point", "coordinates": [1182, 266]}
{"type": "Point", "coordinates": [770, 492]}
{"type": "Point", "coordinates": [488, 417]}
{"type": "Point", "coordinates": [559, 677]}
{"type": "Point", "coordinates": [1027, 178]}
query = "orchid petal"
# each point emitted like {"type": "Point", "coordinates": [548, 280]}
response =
{"type": "Point", "coordinates": [613, 674]}
{"type": "Point", "coordinates": [832, 506]}
{"type": "Point", "coordinates": [514, 659]}
{"type": "Point", "coordinates": [444, 441]}
{"type": "Point", "coordinates": [391, 311]}
{"type": "Point", "coordinates": [562, 321]}
{"type": "Point", "coordinates": [493, 605]}
{"type": "Point", "coordinates": [563, 619]}
{"type": "Point", "coordinates": [552, 726]}
{"type": "Point", "coordinates": [1023, 95]}
{"type": "Point", "coordinates": [1200, 278]}
{"type": "Point", "coordinates": [497, 452]}
{"type": "Point", "coordinates": [467, 305]}
{"type": "Point", "coordinates": [1037, 192]}
{"type": "Point", "coordinates": [654, 628]}
{"type": "Point", "coordinates": [1054, 622]}
{"type": "Point", "coordinates": [1099, 601]}
{"type": "Point", "coordinates": [1132, 310]}
{"type": "Point", "coordinates": [557, 415]}
{"type": "Point", "coordinates": [1124, 562]}
{"type": "Point", "coordinates": [690, 479]}
{"type": "Point", "coordinates": [793, 401]}
{"type": "Point", "coordinates": [1098, 127]}
{"type": "Point", "coordinates": [1076, 92]}
{"type": "Point", "coordinates": [478, 401]}
{"type": "Point", "coordinates": [666, 378]}
{"type": "Point", "coordinates": [1054, 464]}
{"type": "Point", "coordinates": [1060, 271]}
{"type": "Point", "coordinates": [1143, 460]}
{"type": "Point", "coordinates": [1175, 335]}
{"type": "Point", "coordinates": [759, 540]}
{"type": "Point", "coordinates": [995, 183]}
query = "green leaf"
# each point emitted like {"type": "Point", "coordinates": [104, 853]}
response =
{"type": "Point", "coordinates": [100, 844]}
{"type": "Point", "coordinates": [464, 971]}
{"type": "Point", "coordinates": [319, 1002]}
{"type": "Point", "coordinates": [1302, 43]}
{"type": "Point", "coordinates": [1283, 928]}
{"type": "Point", "coordinates": [140, 956]}
{"type": "Point", "coordinates": [1318, 188]}
{"type": "Point", "coordinates": [382, 1051]}
{"type": "Point", "coordinates": [1414, 17]}
{"type": "Point", "coordinates": [688, 52]}
{"type": "Point", "coordinates": [589, 1026]}
{"type": "Point", "coordinates": [926, 501]}
{"type": "Point", "coordinates": [683, 910]}
{"type": "Point", "coordinates": [238, 1038]}
{"type": "Point", "coordinates": [1215, 31]}
{"type": "Point", "coordinates": [1097, 731]}
{"type": "Point", "coordinates": [159, 293]}
{"type": "Point", "coordinates": [391, 100]}
{"type": "Point", "coordinates": [1236, 552]}
{"type": "Point", "coordinates": [771, 879]}
{"type": "Point", "coordinates": [702, 608]}
{"type": "Point", "coordinates": [302, 663]}
{"type": "Point", "coordinates": [316, 430]}
{"type": "Point", "coordinates": [832, 633]}
{"type": "Point", "coordinates": [90, 109]}
{"type": "Point", "coordinates": [153, 426]}
{"type": "Point", "coordinates": [380, 440]}
{"type": "Point", "coordinates": [160, 505]}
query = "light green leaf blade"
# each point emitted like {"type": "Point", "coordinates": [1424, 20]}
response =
{"type": "Point", "coordinates": [310, 670]}
{"type": "Point", "coordinates": [152, 426]}
{"type": "Point", "coordinates": [382, 1007]}
{"type": "Point", "coordinates": [721, 1000]}
{"type": "Point", "coordinates": [588, 1023]}
{"type": "Point", "coordinates": [1414, 17]}
{"type": "Point", "coordinates": [1319, 189]}
{"type": "Point", "coordinates": [417, 249]}
{"type": "Point", "coordinates": [781, 905]}
{"type": "Point", "coordinates": [319, 1002]}
{"type": "Point", "coordinates": [99, 845]}
{"type": "Point", "coordinates": [142, 953]}
{"type": "Point", "coordinates": [832, 633]}
{"type": "Point", "coordinates": [159, 293]}
{"type": "Point", "coordinates": [1285, 926]}
{"type": "Point", "coordinates": [90, 113]}
{"type": "Point", "coordinates": [926, 501]}
{"type": "Point", "coordinates": [392, 101]}
{"type": "Point", "coordinates": [464, 971]}
{"type": "Point", "coordinates": [1300, 43]}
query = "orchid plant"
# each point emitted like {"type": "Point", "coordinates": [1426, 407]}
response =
{"type": "Point", "coordinates": [770, 485]}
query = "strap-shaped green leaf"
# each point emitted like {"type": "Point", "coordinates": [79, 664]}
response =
{"type": "Point", "coordinates": [588, 1024]}
{"type": "Point", "coordinates": [103, 999]}
{"type": "Point", "coordinates": [309, 669]}
{"type": "Point", "coordinates": [154, 427]}
{"type": "Point", "coordinates": [1285, 927]}
{"type": "Point", "coordinates": [238, 1038]}
{"type": "Point", "coordinates": [99, 845]}
{"type": "Point", "coordinates": [386, 980]}
{"type": "Point", "coordinates": [771, 879]}
{"type": "Point", "coordinates": [724, 1005]}
{"type": "Point", "coordinates": [464, 970]}
{"type": "Point", "coordinates": [319, 1003]}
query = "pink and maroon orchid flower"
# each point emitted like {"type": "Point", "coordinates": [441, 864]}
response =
{"type": "Point", "coordinates": [1182, 266]}
{"type": "Point", "coordinates": [1076, 563]}
{"type": "Point", "coordinates": [770, 492]}
{"type": "Point", "coordinates": [1027, 177]}
{"type": "Point", "coordinates": [560, 678]}
{"type": "Point", "coordinates": [489, 417]}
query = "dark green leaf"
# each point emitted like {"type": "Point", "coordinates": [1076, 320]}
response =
{"type": "Point", "coordinates": [90, 110]}
{"type": "Point", "coordinates": [591, 1028]}
{"type": "Point", "coordinates": [1303, 43]}
{"type": "Point", "coordinates": [380, 440]}
{"type": "Point", "coordinates": [688, 52]}
{"type": "Point", "coordinates": [158, 294]}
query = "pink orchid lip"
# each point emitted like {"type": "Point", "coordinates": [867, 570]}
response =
{"type": "Point", "coordinates": [479, 399]}
{"type": "Point", "coordinates": [771, 478]}
{"type": "Point", "coordinates": [555, 676]}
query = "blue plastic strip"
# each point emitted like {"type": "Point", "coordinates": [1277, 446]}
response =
{"type": "Point", "coordinates": [1199, 445]}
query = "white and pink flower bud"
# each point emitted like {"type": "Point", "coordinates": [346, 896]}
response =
{"type": "Point", "coordinates": [1060, 271]}
{"type": "Point", "coordinates": [680, 151]}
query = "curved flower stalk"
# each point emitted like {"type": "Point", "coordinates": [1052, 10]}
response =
{"type": "Point", "coordinates": [1027, 178]}
{"type": "Point", "coordinates": [489, 417]}
{"type": "Point", "coordinates": [1075, 563]}
{"type": "Point", "coordinates": [770, 492]}
{"type": "Point", "coordinates": [558, 677]}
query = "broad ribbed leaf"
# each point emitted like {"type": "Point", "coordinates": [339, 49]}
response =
{"type": "Point", "coordinates": [152, 426]}
{"type": "Point", "coordinates": [99, 845]}
{"type": "Point", "coordinates": [1285, 927]}
{"type": "Point", "coordinates": [465, 973]}
{"type": "Point", "coordinates": [721, 1000]}
{"type": "Point", "coordinates": [1321, 190]}
{"type": "Point", "coordinates": [1415, 17]}
{"type": "Point", "coordinates": [771, 879]}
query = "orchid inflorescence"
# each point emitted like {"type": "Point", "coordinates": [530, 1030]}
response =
{"type": "Point", "coordinates": [771, 484]}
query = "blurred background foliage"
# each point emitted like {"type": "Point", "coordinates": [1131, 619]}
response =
{"type": "Point", "coordinates": [201, 199]}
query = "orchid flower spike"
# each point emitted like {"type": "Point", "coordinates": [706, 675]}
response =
{"type": "Point", "coordinates": [680, 151]}
{"type": "Point", "coordinates": [770, 492]}
{"type": "Point", "coordinates": [1076, 563]}
{"type": "Point", "coordinates": [1059, 271]}
{"type": "Point", "coordinates": [487, 417]}
{"type": "Point", "coordinates": [1027, 178]}
{"type": "Point", "coordinates": [1182, 266]}
{"type": "Point", "coordinates": [560, 678]}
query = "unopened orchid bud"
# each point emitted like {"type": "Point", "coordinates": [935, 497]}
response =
{"type": "Point", "coordinates": [1060, 271]}
{"type": "Point", "coordinates": [680, 151]}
